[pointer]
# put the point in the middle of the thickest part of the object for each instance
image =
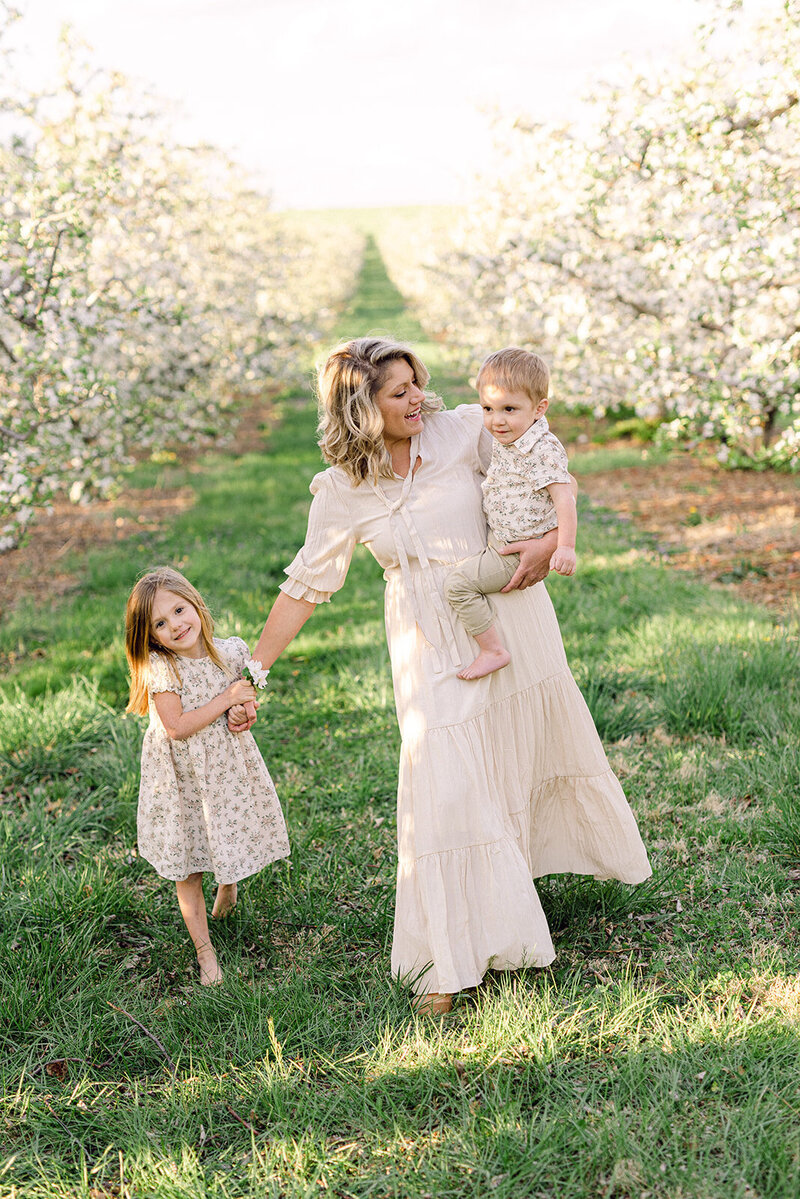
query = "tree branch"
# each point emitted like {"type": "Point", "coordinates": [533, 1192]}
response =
{"type": "Point", "coordinates": [11, 434]}
{"type": "Point", "coordinates": [754, 121]}
{"type": "Point", "coordinates": [49, 279]}
{"type": "Point", "coordinates": [638, 307]}
{"type": "Point", "coordinates": [8, 352]}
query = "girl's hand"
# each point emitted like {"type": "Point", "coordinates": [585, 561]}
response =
{"type": "Point", "coordinates": [241, 717]}
{"type": "Point", "coordinates": [241, 691]}
{"type": "Point", "coordinates": [534, 560]}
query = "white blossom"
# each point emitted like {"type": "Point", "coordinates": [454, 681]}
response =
{"type": "Point", "coordinates": [653, 259]}
{"type": "Point", "coordinates": [144, 287]}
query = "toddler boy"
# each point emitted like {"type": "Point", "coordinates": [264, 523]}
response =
{"type": "Point", "coordinates": [527, 491]}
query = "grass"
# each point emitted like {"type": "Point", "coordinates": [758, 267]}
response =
{"type": "Point", "coordinates": [592, 461]}
{"type": "Point", "coordinates": [658, 1056]}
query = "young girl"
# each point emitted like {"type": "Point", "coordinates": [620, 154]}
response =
{"type": "Point", "coordinates": [206, 800]}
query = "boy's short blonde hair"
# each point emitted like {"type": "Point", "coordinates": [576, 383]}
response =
{"type": "Point", "coordinates": [515, 369]}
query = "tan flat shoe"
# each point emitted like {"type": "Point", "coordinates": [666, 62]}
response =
{"type": "Point", "coordinates": [434, 1004]}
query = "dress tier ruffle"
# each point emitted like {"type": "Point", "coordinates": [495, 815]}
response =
{"type": "Point", "coordinates": [502, 779]}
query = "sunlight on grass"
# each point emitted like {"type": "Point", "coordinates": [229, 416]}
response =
{"type": "Point", "coordinates": [658, 1054]}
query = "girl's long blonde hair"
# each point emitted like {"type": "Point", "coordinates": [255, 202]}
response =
{"type": "Point", "coordinates": [139, 640]}
{"type": "Point", "coordinates": [350, 423]}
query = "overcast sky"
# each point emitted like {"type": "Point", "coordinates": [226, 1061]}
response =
{"type": "Point", "coordinates": [363, 102]}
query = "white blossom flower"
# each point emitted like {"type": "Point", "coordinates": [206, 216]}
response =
{"type": "Point", "coordinates": [255, 672]}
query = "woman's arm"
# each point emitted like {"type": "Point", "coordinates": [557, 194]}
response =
{"type": "Point", "coordinates": [286, 619]}
{"type": "Point", "coordinates": [179, 725]}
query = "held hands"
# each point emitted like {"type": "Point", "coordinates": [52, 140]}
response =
{"type": "Point", "coordinates": [242, 717]}
{"type": "Point", "coordinates": [242, 695]}
{"type": "Point", "coordinates": [564, 560]}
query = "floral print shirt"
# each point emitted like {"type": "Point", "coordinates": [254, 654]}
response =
{"type": "Point", "coordinates": [515, 496]}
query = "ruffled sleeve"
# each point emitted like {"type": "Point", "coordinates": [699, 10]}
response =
{"type": "Point", "coordinates": [321, 566]}
{"type": "Point", "coordinates": [161, 676]}
{"type": "Point", "coordinates": [472, 415]}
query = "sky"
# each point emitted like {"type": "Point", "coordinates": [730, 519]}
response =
{"type": "Point", "coordinates": [359, 103]}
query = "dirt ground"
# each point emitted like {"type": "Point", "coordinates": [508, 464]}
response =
{"type": "Point", "coordinates": [38, 571]}
{"type": "Point", "coordinates": [737, 529]}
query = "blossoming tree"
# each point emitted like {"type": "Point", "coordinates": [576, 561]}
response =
{"type": "Point", "coordinates": [655, 259]}
{"type": "Point", "coordinates": [142, 287]}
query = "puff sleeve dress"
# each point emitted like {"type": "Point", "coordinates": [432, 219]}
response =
{"type": "Point", "coordinates": [206, 802]}
{"type": "Point", "coordinates": [501, 779]}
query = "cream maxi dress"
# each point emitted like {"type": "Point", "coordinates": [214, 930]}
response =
{"type": "Point", "coordinates": [501, 779]}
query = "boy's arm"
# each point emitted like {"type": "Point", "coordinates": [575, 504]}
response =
{"type": "Point", "coordinates": [563, 496]}
{"type": "Point", "coordinates": [535, 555]}
{"type": "Point", "coordinates": [179, 725]}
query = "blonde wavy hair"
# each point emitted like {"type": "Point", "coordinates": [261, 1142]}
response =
{"type": "Point", "coordinates": [350, 424]}
{"type": "Point", "coordinates": [139, 639]}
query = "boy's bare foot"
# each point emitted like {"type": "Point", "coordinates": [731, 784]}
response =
{"type": "Point", "coordinates": [210, 973]}
{"type": "Point", "coordinates": [225, 901]}
{"type": "Point", "coordinates": [434, 1004]}
{"type": "Point", "coordinates": [486, 662]}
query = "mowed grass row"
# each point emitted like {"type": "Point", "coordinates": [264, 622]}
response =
{"type": "Point", "coordinates": [658, 1056]}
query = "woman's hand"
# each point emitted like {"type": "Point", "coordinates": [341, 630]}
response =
{"type": "Point", "coordinates": [242, 717]}
{"type": "Point", "coordinates": [242, 710]}
{"type": "Point", "coordinates": [534, 560]}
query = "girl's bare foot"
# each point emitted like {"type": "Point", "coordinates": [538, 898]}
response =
{"type": "Point", "coordinates": [225, 901]}
{"type": "Point", "coordinates": [486, 662]}
{"type": "Point", "coordinates": [434, 1004]}
{"type": "Point", "coordinates": [210, 973]}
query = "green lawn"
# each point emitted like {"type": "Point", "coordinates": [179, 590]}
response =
{"type": "Point", "coordinates": [657, 1057]}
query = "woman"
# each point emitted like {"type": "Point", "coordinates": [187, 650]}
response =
{"type": "Point", "coordinates": [501, 779]}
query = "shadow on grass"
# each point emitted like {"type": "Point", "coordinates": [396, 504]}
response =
{"type": "Point", "coordinates": [566, 1089]}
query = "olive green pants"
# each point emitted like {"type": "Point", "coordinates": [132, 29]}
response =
{"type": "Point", "coordinates": [467, 586]}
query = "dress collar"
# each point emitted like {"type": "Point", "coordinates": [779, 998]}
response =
{"type": "Point", "coordinates": [413, 455]}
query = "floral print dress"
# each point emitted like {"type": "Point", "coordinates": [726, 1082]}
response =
{"type": "Point", "coordinates": [206, 802]}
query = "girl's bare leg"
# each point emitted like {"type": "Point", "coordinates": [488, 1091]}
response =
{"type": "Point", "coordinates": [225, 902]}
{"type": "Point", "coordinates": [193, 909]}
{"type": "Point", "coordinates": [493, 656]}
